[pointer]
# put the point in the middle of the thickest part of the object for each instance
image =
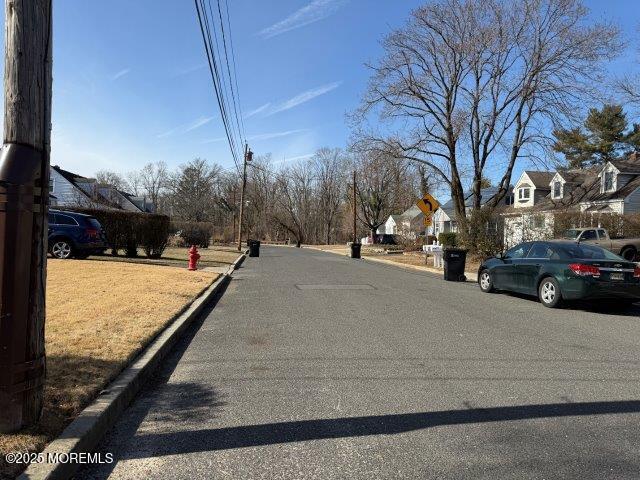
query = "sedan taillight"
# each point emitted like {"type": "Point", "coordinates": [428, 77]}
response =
{"type": "Point", "coordinates": [584, 270]}
{"type": "Point", "coordinates": [91, 232]}
{"type": "Point", "coordinates": [636, 272]}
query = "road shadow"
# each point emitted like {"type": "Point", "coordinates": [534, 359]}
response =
{"type": "Point", "coordinates": [166, 402]}
{"type": "Point", "coordinates": [590, 306]}
{"type": "Point", "coordinates": [172, 443]}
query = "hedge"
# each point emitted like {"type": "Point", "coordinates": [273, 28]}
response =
{"type": "Point", "coordinates": [193, 233]}
{"type": "Point", "coordinates": [131, 230]}
{"type": "Point", "coordinates": [448, 239]}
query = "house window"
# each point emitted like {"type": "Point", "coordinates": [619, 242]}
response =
{"type": "Point", "coordinates": [52, 185]}
{"type": "Point", "coordinates": [557, 190]}
{"type": "Point", "coordinates": [524, 193]}
{"type": "Point", "coordinates": [608, 181]}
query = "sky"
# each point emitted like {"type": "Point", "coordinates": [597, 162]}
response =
{"type": "Point", "coordinates": [131, 84]}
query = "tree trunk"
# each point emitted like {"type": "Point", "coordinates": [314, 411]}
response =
{"type": "Point", "coordinates": [24, 182]}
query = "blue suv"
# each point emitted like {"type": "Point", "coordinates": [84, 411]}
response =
{"type": "Point", "coordinates": [75, 235]}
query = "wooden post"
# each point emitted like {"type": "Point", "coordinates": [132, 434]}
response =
{"type": "Point", "coordinates": [355, 233]}
{"type": "Point", "coordinates": [247, 158]}
{"type": "Point", "coordinates": [24, 197]}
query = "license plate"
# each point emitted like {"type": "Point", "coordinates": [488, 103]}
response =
{"type": "Point", "coordinates": [617, 276]}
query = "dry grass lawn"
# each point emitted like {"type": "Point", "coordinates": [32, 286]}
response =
{"type": "Point", "coordinates": [214, 256]}
{"type": "Point", "coordinates": [99, 316]}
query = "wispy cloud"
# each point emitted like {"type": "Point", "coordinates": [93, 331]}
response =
{"type": "Point", "coordinates": [304, 97]}
{"type": "Point", "coordinates": [257, 110]}
{"type": "Point", "coordinates": [293, 159]}
{"type": "Point", "coordinates": [313, 12]}
{"type": "Point", "coordinates": [188, 70]}
{"type": "Point", "coordinates": [120, 74]}
{"type": "Point", "coordinates": [197, 123]}
{"type": "Point", "coordinates": [269, 136]}
{"type": "Point", "coordinates": [213, 140]}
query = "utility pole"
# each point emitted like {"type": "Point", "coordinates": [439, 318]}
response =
{"type": "Point", "coordinates": [248, 156]}
{"type": "Point", "coordinates": [24, 198]}
{"type": "Point", "coordinates": [355, 234]}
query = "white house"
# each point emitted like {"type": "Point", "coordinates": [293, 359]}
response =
{"type": "Point", "coordinates": [408, 224]}
{"type": "Point", "coordinates": [612, 188]}
{"type": "Point", "coordinates": [444, 217]}
{"type": "Point", "coordinates": [67, 189]}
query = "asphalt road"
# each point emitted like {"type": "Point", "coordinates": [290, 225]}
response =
{"type": "Point", "coordinates": [314, 365]}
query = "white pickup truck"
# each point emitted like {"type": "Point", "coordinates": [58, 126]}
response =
{"type": "Point", "coordinates": [627, 248]}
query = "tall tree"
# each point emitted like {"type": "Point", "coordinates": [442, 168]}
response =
{"type": "Point", "coordinates": [295, 200]}
{"type": "Point", "coordinates": [153, 179]}
{"type": "Point", "coordinates": [330, 170]}
{"type": "Point", "coordinates": [604, 138]}
{"type": "Point", "coordinates": [112, 178]}
{"type": "Point", "coordinates": [193, 190]}
{"type": "Point", "coordinates": [469, 85]}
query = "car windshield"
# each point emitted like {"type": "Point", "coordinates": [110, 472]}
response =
{"type": "Point", "coordinates": [589, 252]}
{"type": "Point", "coordinates": [571, 234]}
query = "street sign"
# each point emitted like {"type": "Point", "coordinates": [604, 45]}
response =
{"type": "Point", "coordinates": [427, 220]}
{"type": "Point", "coordinates": [428, 204]}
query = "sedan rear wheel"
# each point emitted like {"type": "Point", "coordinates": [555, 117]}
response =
{"type": "Point", "coordinates": [485, 281]}
{"type": "Point", "coordinates": [61, 249]}
{"type": "Point", "coordinates": [549, 292]}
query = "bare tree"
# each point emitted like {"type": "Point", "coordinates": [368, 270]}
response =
{"type": "Point", "coordinates": [475, 85]}
{"type": "Point", "coordinates": [112, 178]}
{"type": "Point", "coordinates": [295, 200]}
{"type": "Point", "coordinates": [380, 191]}
{"type": "Point", "coordinates": [330, 171]}
{"type": "Point", "coordinates": [153, 179]}
{"type": "Point", "coordinates": [134, 182]}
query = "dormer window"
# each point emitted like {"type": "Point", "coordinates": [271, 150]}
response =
{"type": "Point", "coordinates": [608, 181]}
{"type": "Point", "coordinates": [524, 193]}
{"type": "Point", "coordinates": [557, 189]}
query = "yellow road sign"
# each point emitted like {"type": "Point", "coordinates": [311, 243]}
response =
{"type": "Point", "coordinates": [428, 204]}
{"type": "Point", "coordinates": [427, 220]}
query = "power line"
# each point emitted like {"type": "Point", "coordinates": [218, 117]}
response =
{"type": "Point", "coordinates": [224, 82]}
{"type": "Point", "coordinates": [226, 56]}
{"type": "Point", "coordinates": [205, 29]}
{"type": "Point", "coordinates": [235, 70]}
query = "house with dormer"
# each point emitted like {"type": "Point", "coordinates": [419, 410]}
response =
{"type": "Point", "coordinates": [68, 189]}
{"type": "Point", "coordinates": [612, 188]}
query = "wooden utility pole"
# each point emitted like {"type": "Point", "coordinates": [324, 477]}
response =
{"type": "Point", "coordinates": [355, 233]}
{"type": "Point", "coordinates": [248, 155]}
{"type": "Point", "coordinates": [24, 197]}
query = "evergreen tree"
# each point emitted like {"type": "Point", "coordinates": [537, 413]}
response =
{"type": "Point", "coordinates": [604, 138]}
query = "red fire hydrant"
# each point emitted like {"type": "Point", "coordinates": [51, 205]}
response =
{"type": "Point", "coordinates": [194, 256]}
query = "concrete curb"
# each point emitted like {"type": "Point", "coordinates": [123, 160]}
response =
{"type": "Point", "coordinates": [85, 432]}
{"type": "Point", "coordinates": [471, 276]}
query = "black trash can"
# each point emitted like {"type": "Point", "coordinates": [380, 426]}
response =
{"type": "Point", "coordinates": [454, 262]}
{"type": "Point", "coordinates": [355, 250]}
{"type": "Point", "coordinates": [254, 248]}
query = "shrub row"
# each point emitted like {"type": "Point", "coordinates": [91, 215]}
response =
{"type": "Point", "coordinates": [129, 231]}
{"type": "Point", "coordinates": [192, 233]}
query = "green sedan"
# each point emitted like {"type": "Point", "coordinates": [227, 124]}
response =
{"type": "Point", "coordinates": [561, 270]}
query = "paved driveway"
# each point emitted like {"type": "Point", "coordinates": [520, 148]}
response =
{"type": "Point", "coordinates": [314, 365]}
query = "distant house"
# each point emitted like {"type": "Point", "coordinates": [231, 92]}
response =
{"type": "Point", "coordinates": [68, 189]}
{"type": "Point", "coordinates": [612, 188]}
{"type": "Point", "coordinates": [444, 217]}
{"type": "Point", "coordinates": [409, 224]}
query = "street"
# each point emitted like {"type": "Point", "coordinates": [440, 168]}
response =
{"type": "Point", "coordinates": [313, 365]}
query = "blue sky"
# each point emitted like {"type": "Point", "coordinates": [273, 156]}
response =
{"type": "Point", "coordinates": [130, 83]}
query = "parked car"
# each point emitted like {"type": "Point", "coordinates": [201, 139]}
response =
{"type": "Point", "coordinates": [74, 234]}
{"type": "Point", "coordinates": [627, 248]}
{"type": "Point", "coordinates": [562, 270]}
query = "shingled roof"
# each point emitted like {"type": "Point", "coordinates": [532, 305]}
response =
{"type": "Point", "coordinates": [540, 179]}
